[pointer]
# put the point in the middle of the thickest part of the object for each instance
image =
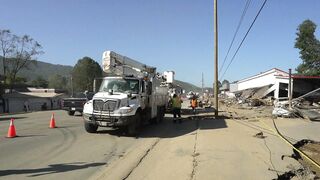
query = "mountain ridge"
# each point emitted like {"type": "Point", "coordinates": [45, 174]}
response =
{"type": "Point", "coordinates": [45, 70]}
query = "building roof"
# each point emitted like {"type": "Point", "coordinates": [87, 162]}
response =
{"type": "Point", "coordinates": [278, 73]}
{"type": "Point", "coordinates": [31, 95]}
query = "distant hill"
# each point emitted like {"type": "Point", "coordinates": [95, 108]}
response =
{"type": "Point", "coordinates": [42, 69]}
{"type": "Point", "coordinates": [47, 69]}
{"type": "Point", "coordinates": [188, 86]}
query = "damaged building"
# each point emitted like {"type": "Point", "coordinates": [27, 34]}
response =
{"type": "Point", "coordinates": [274, 83]}
{"type": "Point", "coordinates": [272, 88]}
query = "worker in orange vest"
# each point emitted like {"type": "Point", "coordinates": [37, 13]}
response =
{"type": "Point", "coordinates": [194, 104]}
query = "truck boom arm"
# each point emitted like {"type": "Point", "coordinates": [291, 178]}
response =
{"type": "Point", "coordinates": [114, 63]}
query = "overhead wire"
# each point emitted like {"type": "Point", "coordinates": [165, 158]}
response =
{"type": "Point", "coordinates": [245, 36]}
{"type": "Point", "coordinates": [235, 33]}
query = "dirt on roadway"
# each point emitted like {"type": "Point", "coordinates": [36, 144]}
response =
{"type": "Point", "coordinates": [202, 147]}
{"type": "Point", "coordinates": [297, 131]}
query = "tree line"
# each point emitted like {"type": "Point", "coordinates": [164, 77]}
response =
{"type": "Point", "coordinates": [80, 79]}
{"type": "Point", "coordinates": [19, 52]}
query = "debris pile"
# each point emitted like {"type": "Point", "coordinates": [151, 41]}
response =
{"type": "Point", "coordinates": [304, 105]}
{"type": "Point", "coordinates": [309, 171]}
{"type": "Point", "coordinates": [249, 98]}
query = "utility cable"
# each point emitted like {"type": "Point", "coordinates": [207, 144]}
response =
{"type": "Point", "coordinates": [236, 32]}
{"type": "Point", "coordinates": [316, 164]}
{"type": "Point", "coordinates": [244, 38]}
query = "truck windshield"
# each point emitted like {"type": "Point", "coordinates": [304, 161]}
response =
{"type": "Point", "coordinates": [120, 85]}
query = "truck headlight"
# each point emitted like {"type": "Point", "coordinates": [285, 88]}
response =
{"type": "Point", "coordinates": [125, 110]}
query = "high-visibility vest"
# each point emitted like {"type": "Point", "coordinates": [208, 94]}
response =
{"type": "Point", "coordinates": [176, 102]}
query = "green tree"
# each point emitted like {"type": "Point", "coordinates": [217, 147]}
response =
{"type": "Point", "coordinates": [21, 80]}
{"type": "Point", "coordinates": [58, 82]}
{"type": "Point", "coordinates": [84, 73]}
{"type": "Point", "coordinates": [309, 49]}
{"type": "Point", "coordinates": [40, 82]}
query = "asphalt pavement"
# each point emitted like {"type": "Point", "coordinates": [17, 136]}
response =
{"type": "Point", "coordinates": [66, 152]}
{"type": "Point", "coordinates": [201, 147]}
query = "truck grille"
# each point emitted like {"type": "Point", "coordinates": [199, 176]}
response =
{"type": "Point", "coordinates": [109, 105]}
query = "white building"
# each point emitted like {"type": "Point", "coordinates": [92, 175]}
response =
{"type": "Point", "coordinates": [36, 99]}
{"type": "Point", "coordinates": [277, 82]}
{"type": "Point", "coordinates": [274, 77]}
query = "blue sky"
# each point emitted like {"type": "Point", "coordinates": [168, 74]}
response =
{"type": "Point", "coordinates": [169, 34]}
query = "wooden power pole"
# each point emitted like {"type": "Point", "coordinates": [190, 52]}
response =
{"type": "Point", "coordinates": [290, 90]}
{"type": "Point", "coordinates": [216, 58]}
{"type": "Point", "coordinates": [202, 84]}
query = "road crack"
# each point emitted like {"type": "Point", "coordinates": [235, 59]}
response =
{"type": "Point", "coordinates": [195, 153]}
{"type": "Point", "coordinates": [142, 158]}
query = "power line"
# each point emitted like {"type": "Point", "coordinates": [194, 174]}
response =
{"type": "Point", "coordinates": [236, 32]}
{"type": "Point", "coordinates": [244, 38]}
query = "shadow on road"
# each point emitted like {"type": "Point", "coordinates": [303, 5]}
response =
{"type": "Point", "coordinates": [53, 168]}
{"type": "Point", "coordinates": [114, 132]}
{"type": "Point", "coordinates": [169, 129]}
{"type": "Point", "coordinates": [203, 119]}
{"type": "Point", "coordinates": [26, 136]}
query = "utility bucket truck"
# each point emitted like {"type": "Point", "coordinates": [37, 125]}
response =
{"type": "Point", "coordinates": [130, 95]}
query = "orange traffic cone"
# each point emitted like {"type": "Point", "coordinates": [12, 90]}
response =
{"type": "Point", "coordinates": [52, 122]}
{"type": "Point", "coordinates": [12, 130]}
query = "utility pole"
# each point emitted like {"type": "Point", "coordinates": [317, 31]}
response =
{"type": "Point", "coordinates": [216, 57]}
{"type": "Point", "coordinates": [71, 86]}
{"type": "Point", "coordinates": [202, 84]}
{"type": "Point", "coordinates": [289, 90]}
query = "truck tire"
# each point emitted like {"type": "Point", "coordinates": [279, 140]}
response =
{"type": "Point", "coordinates": [160, 115]}
{"type": "Point", "coordinates": [71, 113]}
{"type": "Point", "coordinates": [134, 128]}
{"type": "Point", "coordinates": [90, 128]}
{"type": "Point", "coordinates": [162, 112]}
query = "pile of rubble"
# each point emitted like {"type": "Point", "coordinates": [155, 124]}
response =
{"type": "Point", "coordinates": [306, 106]}
{"type": "Point", "coordinates": [249, 98]}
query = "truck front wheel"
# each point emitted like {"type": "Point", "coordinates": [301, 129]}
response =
{"type": "Point", "coordinates": [90, 128]}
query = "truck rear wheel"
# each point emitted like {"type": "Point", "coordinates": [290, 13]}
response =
{"type": "Point", "coordinates": [162, 112]}
{"type": "Point", "coordinates": [90, 128]}
{"type": "Point", "coordinates": [71, 113]}
{"type": "Point", "coordinates": [160, 115]}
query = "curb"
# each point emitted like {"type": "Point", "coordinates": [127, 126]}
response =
{"type": "Point", "coordinates": [121, 168]}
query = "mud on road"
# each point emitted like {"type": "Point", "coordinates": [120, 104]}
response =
{"type": "Point", "coordinates": [310, 147]}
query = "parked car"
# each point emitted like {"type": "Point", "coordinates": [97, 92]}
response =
{"type": "Point", "coordinates": [76, 102]}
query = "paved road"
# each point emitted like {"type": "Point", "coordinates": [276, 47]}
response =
{"type": "Point", "coordinates": [67, 152]}
{"type": "Point", "coordinates": [199, 148]}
